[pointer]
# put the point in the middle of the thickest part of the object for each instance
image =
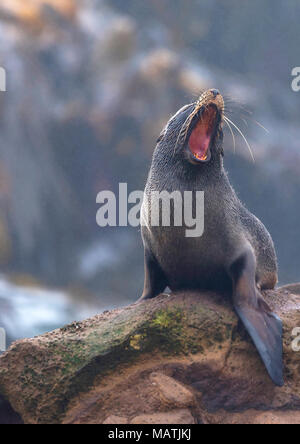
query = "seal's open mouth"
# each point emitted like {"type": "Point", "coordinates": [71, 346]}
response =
{"type": "Point", "coordinates": [203, 134]}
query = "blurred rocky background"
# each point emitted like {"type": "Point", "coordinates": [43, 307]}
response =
{"type": "Point", "coordinates": [90, 84]}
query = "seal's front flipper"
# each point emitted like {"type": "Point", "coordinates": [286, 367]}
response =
{"type": "Point", "coordinates": [155, 280]}
{"type": "Point", "coordinates": [264, 327]}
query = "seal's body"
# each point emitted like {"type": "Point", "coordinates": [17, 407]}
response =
{"type": "Point", "coordinates": [235, 252]}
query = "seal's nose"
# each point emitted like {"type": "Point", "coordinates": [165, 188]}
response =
{"type": "Point", "coordinates": [215, 92]}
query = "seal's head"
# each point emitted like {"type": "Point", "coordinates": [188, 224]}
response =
{"type": "Point", "coordinates": [194, 134]}
{"type": "Point", "coordinates": [203, 127]}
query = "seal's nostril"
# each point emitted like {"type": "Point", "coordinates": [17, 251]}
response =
{"type": "Point", "coordinates": [215, 92]}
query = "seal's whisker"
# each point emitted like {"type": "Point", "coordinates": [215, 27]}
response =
{"type": "Point", "coordinates": [256, 122]}
{"type": "Point", "coordinates": [236, 106]}
{"type": "Point", "coordinates": [259, 124]}
{"type": "Point", "coordinates": [245, 121]}
{"type": "Point", "coordinates": [241, 133]}
{"type": "Point", "coordinates": [198, 94]}
{"type": "Point", "coordinates": [247, 111]}
{"type": "Point", "coordinates": [233, 136]}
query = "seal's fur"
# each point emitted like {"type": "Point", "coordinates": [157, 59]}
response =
{"type": "Point", "coordinates": [236, 252]}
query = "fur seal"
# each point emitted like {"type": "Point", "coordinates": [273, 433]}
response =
{"type": "Point", "coordinates": [235, 252]}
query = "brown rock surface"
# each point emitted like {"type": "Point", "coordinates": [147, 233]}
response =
{"type": "Point", "coordinates": [171, 417]}
{"type": "Point", "coordinates": [178, 359]}
{"type": "Point", "coordinates": [113, 419]}
{"type": "Point", "coordinates": [172, 391]}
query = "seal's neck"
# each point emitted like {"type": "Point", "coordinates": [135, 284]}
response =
{"type": "Point", "coordinates": [203, 176]}
{"type": "Point", "coordinates": [183, 176]}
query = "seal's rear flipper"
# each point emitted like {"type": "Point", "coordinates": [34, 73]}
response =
{"type": "Point", "coordinates": [264, 327]}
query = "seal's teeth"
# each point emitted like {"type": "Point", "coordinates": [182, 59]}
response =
{"type": "Point", "coordinates": [204, 157]}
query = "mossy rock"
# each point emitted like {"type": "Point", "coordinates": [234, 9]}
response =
{"type": "Point", "coordinates": [43, 377]}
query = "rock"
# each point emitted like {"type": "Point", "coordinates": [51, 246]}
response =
{"type": "Point", "coordinates": [115, 420]}
{"type": "Point", "coordinates": [159, 65]}
{"type": "Point", "coordinates": [291, 288]}
{"type": "Point", "coordinates": [32, 12]}
{"type": "Point", "coordinates": [7, 415]}
{"type": "Point", "coordinates": [120, 41]}
{"type": "Point", "coordinates": [171, 391]}
{"type": "Point", "coordinates": [178, 359]}
{"type": "Point", "coordinates": [257, 417]}
{"type": "Point", "coordinates": [172, 417]}
{"type": "Point", "coordinates": [101, 66]}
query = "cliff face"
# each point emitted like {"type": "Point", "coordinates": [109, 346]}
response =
{"type": "Point", "coordinates": [90, 85]}
{"type": "Point", "coordinates": [182, 358]}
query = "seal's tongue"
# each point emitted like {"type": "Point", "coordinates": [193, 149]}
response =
{"type": "Point", "coordinates": [202, 133]}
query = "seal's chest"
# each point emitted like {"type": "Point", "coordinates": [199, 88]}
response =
{"type": "Point", "coordinates": [171, 245]}
{"type": "Point", "coordinates": [190, 263]}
